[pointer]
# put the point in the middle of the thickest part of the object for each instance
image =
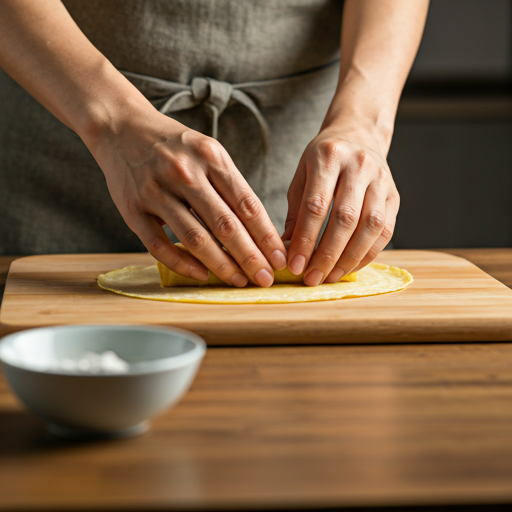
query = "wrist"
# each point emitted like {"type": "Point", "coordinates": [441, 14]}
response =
{"type": "Point", "coordinates": [108, 106]}
{"type": "Point", "coordinates": [364, 112]}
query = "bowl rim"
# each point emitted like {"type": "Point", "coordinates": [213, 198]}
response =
{"type": "Point", "coordinates": [139, 368]}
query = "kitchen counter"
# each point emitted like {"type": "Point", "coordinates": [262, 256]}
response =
{"type": "Point", "coordinates": [293, 427]}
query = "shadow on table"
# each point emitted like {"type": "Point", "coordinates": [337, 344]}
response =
{"type": "Point", "coordinates": [22, 433]}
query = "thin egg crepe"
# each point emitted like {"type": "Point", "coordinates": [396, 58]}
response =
{"type": "Point", "coordinates": [144, 282]}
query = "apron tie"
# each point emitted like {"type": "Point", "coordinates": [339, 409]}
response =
{"type": "Point", "coordinates": [216, 96]}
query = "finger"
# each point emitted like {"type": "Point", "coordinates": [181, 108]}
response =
{"type": "Point", "coordinates": [152, 235]}
{"type": "Point", "coordinates": [347, 205]}
{"type": "Point", "coordinates": [238, 195]}
{"type": "Point", "coordinates": [200, 243]}
{"type": "Point", "coordinates": [314, 207]}
{"type": "Point", "coordinates": [385, 236]}
{"type": "Point", "coordinates": [229, 230]}
{"type": "Point", "coordinates": [231, 186]}
{"type": "Point", "coordinates": [294, 196]}
{"type": "Point", "coordinates": [370, 226]}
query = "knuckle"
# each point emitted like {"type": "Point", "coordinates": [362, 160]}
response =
{"type": "Point", "coordinates": [190, 137]}
{"type": "Point", "coordinates": [210, 149]}
{"type": "Point", "coordinates": [329, 259]}
{"type": "Point", "coordinates": [223, 268]}
{"type": "Point", "coordinates": [154, 244]}
{"type": "Point", "coordinates": [267, 238]}
{"type": "Point", "coordinates": [330, 150]}
{"type": "Point", "coordinates": [361, 157]}
{"type": "Point", "coordinates": [371, 255]}
{"type": "Point", "coordinates": [195, 239]}
{"type": "Point", "coordinates": [248, 207]}
{"type": "Point", "coordinates": [387, 232]}
{"type": "Point", "coordinates": [354, 257]}
{"type": "Point", "coordinates": [249, 260]}
{"type": "Point", "coordinates": [383, 174]}
{"type": "Point", "coordinates": [183, 173]}
{"type": "Point", "coordinates": [375, 221]}
{"type": "Point", "coordinates": [306, 241]}
{"type": "Point", "coordinates": [346, 215]}
{"type": "Point", "coordinates": [317, 205]}
{"type": "Point", "coordinates": [226, 226]}
{"type": "Point", "coordinates": [133, 207]}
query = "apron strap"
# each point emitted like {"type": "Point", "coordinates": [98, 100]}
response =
{"type": "Point", "coordinates": [215, 95]}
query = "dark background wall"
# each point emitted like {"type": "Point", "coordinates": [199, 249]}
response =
{"type": "Point", "coordinates": [452, 151]}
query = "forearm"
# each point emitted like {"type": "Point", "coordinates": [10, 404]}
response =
{"type": "Point", "coordinates": [156, 169]}
{"type": "Point", "coordinates": [379, 41]}
{"type": "Point", "coordinates": [43, 49]}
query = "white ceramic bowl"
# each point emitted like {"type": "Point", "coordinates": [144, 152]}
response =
{"type": "Point", "coordinates": [162, 365]}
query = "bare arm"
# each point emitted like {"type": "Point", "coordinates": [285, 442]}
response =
{"type": "Point", "coordinates": [346, 163]}
{"type": "Point", "coordinates": [42, 48]}
{"type": "Point", "coordinates": [154, 166]}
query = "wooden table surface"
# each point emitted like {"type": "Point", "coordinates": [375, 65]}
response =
{"type": "Point", "coordinates": [293, 427]}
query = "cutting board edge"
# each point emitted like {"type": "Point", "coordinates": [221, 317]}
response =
{"type": "Point", "coordinates": [442, 332]}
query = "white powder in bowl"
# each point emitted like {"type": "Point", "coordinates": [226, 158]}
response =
{"type": "Point", "coordinates": [90, 362]}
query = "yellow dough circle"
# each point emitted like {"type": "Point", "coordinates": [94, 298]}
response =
{"type": "Point", "coordinates": [144, 283]}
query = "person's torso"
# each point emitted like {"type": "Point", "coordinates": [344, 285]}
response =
{"type": "Point", "coordinates": [230, 40]}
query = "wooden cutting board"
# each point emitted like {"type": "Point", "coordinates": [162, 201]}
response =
{"type": "Point", "coordinates": [450, 300]}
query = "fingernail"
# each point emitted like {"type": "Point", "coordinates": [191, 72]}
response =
{"type": "Point", "coordinates": [200, 275]}
{"type": "Point", "coordinates": [314, 278]}
{"type": "Point", "coordinates": [297, 265]}
{"type": "Point", "coordinates": [278, 259]}
{"type": "Point", "coordinates": [239, 280]}
{"type": "Point", "coordinates": [335, 275]}
{"type": "Point", "coordinates": [263, 278]}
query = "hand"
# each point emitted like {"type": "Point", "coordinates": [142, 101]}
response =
{"type": "Point", "coordinates": [157, 169]}
{"type": "Point", "coordinates": [349, 170]}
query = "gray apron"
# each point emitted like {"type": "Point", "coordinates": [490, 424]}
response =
{"type": "Point", "coordinates": [256, 74]}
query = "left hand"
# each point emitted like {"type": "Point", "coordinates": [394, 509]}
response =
{"type": "Point", "coordinates": [349, 169]}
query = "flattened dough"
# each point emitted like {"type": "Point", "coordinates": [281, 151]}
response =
{"type": "Point", "coordinates": [144, 283]}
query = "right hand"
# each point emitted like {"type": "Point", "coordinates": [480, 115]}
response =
{"type": "Point", "coordinates": [157, 169]}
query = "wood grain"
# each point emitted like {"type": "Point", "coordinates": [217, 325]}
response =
{"type": "Point", "coordinates": [450, 300]}
{"type": "Point", "coordinates": [285, 427]}
{"type": "Point", "coordinates": [496, 262]}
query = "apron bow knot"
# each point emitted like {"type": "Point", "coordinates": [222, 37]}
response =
{"type": "Point", "coordinates": [216, 96]}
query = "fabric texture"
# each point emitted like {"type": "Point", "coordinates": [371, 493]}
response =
{"type": "Point", "coordinates": [258, 74]}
